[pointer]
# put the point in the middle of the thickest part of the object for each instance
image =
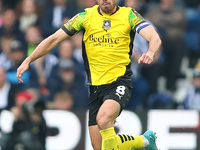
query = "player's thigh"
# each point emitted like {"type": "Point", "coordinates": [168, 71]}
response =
{"type": "Point", "coordinates": [95, 137]}
{"type": "Point", "coordinates": [107, 113]}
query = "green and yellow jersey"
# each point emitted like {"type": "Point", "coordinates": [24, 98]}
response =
{"type": "Point", "coordinates": [107, 41]}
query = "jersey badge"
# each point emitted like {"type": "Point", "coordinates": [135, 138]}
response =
{"type": "Point", "coordinates": [106, 24]}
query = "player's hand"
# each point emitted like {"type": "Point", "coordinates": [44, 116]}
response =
{"type": "Point", "coordinates": [21, 69]}
{"type": "Point", "coordinates": [146, 58]}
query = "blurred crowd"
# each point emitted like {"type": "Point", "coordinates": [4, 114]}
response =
{"type": "Point", "coordinates": [58, 80]}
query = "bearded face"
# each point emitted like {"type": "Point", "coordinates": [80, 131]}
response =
{"type": "Point", "coordinates": [107, 6]}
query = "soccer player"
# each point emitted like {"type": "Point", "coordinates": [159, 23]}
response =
{"type": "Point", "coordinates": [107, 44]}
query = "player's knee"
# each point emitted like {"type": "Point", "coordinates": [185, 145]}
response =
{"type": "Point", "coordinates": [96, 146]}
{"type": "Point", "coordinates": [104, 120]}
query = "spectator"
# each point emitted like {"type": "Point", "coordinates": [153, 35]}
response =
{"type": "Point", "coordinates": [66, 54]}
{"type": "Point", "coordinates": [10, 26]}
{"type": "Point", "coordinates": [43, 4]}
{"type": "Point", "coordinates": [62, 101]}
{"type": "Point", "coordinates": [71, 82]}
{"type": "Point", "coordinates": [193, 31]}
{"type": "Point", "coordinates": [6, 92]}
{"type": "Point", "coordinates": [77, 55]}
{"type": "Point", "coordinates": [5, 51]}
{"type": "Point", "coordinates": [20, 99]}
{"type": "Point", "coordinates": [72, 49]}
{"type": "Point", "coordinates": [28, 119]}
{"type": "Point", "coordinates": [138, 5]}
{"type": "Point", "coordinates": [66, 50]}
{"type": "Point", "coordinates": [17, 55]}
{"type": "Point", "coordinates": [170, 21]}
{"type": "Point", "coordinates": [43, 69]}
{"type": "Point", "coordinates": [192, 100]}
{"type": "Point", "coordinates": [33, 38]}
{"type": "Point", "coordinates": [53, 16]}
{"type": "Point", "coordinates": [161, 101]}
{"type": "Point", "coordinates": [29, 127]}
{"type": "Point", "coordinates": [29, 13]}
{"type": "Point", "coordinates": [46, 73]}
{"type": "Point", "coordinates": [34, 93]}
{"type": "Point", "coordinates": [86, 3]}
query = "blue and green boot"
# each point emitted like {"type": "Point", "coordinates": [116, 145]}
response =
{"type": "Point", "coordinates": [151, 137]}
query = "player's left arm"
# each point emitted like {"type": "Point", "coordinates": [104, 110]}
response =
{"type": "Point", "coordinates": [152, 36]}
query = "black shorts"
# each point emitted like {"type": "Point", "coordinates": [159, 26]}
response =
{"type": "Point", "coordinates": [119, 90]}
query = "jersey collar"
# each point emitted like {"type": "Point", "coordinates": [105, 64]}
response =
{"type": "Point", "coordinates": [110, 14]}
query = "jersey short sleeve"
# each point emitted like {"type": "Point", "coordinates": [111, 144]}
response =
{"type": "Point", "coordinates": [75, 24]}
{"type": "Point", "coordinates": [137, 22]}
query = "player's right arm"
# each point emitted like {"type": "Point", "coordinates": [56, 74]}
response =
{"type": "Point", "coordinates": [42, 49]}
{"type": "Point", "coordinates": [72, 27]}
